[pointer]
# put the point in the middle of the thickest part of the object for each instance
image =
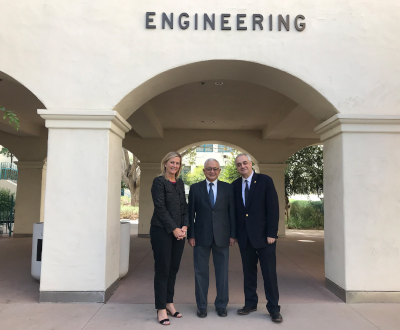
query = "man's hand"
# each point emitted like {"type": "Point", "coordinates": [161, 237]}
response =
{"type": "Point", "coordinates": [232, 241]}
{"type": "Point", "coordinates": [270, 240]}
{"type": "Point", "coordinates": [191, 242]}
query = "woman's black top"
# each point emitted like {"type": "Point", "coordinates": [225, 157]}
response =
{"type": "Point", "coordinates": [170, 207]}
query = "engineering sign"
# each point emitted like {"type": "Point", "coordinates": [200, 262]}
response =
{"type": "Point", "coordinates": [227, 22]}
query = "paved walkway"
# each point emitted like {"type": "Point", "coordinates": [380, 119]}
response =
{"type": "Point", "coordinates": [306, 303]}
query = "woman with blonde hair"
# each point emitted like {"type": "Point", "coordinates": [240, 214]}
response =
{"type": "Point", "coordinates": [167, 232]}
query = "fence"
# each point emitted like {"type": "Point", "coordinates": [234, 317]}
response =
{"type": "Point", "coordinates": [7, 209]}
{"type": "Point", "coordinates": [8, 171]}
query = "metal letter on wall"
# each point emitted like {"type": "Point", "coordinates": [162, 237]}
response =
{"type": "Point", "coordinates": [150, 20]}
{"type": "Point", "coordinates": [169, 21]}
{"type": "Point", "coordinates": [240, 21]}
{"type": "Point", "coordinates": [225, 21]}
{"type": "Point", "coordinates": [281, 21]}
{"type": "Point", "coordinates": [299, 26]}
{"type": "Point", "coordinates": [185, 24]}
{"type": "Point", "coordinates": [257, 20]}
{"type": "Point", "coordinates": [211, 22]}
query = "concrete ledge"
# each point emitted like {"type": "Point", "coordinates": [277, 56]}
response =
{"type": "Point", "coordinates": [357, 297]}
{"type": "Point", "coordinates": [78, 296]}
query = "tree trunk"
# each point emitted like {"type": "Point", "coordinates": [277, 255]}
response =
{"type": "Point", "coordinates": [131, 175]}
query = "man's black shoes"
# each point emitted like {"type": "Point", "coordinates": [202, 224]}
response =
{"type": "Point", "coordinates": [222, 312]}
{"type": "Point", "coordinates": [246, 310]}
{"type": "Point", "coordinates": [201, 313]}
{"type": "Point", "coordinates": [276, 317]}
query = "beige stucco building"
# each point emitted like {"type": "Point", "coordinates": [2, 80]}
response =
{"type": "Point", "coordinates": [87, 77]}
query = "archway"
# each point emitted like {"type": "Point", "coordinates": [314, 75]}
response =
{"type": "Point", "coordinates": [272, 78]}
{"type": "Point", "coordinates": [29, 145]}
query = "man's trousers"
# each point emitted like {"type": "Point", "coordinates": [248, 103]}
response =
{"type": "Point", "coordinates": [201, 258]}
{"type": "Point", "coordinates": [267, 257]}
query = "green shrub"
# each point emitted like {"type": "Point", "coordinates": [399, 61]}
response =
{"type": "Point", "coordinates": [306, 215]}
{"type": "Point", "coordinates": [129, 212]}
{"type": "Point", "coordinates": [5, 200]}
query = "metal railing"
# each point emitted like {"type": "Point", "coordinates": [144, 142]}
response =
{"type": "Point", "coordinates": [8, 171]}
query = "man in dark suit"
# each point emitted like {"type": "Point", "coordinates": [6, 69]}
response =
{"type": "Point", "coordinates": [212, 227]}
{"type": "Point", "coordinates": [257, 212]}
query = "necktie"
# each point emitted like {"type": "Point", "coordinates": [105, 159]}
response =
{"type": "Point", "coordinates": [246, 193]}
{"type": "Point", "coordinates": [211, 194]}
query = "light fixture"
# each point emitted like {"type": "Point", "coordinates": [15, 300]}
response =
{"type": "Point", "coordinates": [305, 241]}
{"type": "Point", "coordinates": [219, 83]}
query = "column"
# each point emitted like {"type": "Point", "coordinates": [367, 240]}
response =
{"type": "Point", "coordinates": [148, 171]}
{"type": "Point", "coordinates": [277, 173]}
{"type": "Point", "coordinates": [29, 191]}
{"type": "Point", "coordinates": [80, 259]}
{"type": "Point", "coordinates": [361, 200]}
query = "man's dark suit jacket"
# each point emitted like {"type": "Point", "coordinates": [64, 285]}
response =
{"type": "Point", "coordinates": [205, 222]}
{"type": "Point", "coordinates": [259, 219]}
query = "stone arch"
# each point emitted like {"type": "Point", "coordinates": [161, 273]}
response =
{"type": "Point", "coordinates": [302, 93]}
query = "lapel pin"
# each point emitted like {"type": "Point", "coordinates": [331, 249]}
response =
{"type": "Point", "coordinates": [255, 181]}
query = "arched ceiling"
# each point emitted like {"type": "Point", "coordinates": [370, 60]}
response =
{"type": "Point", "coordinates": [224, 105]}
{"type": "Point", "coordinates": [17, 98]}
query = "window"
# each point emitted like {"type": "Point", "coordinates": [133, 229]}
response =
{"type": "Point", "coordinates": [222, 148]}
{"type": "Point", "coordinates": [186, 169]}
{"type": "Point", "coordinates": [205, 148]}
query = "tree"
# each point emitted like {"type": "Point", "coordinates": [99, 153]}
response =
{"type": "Point", "coordinates": [131, 174]}
{"type": "Point", "coordinates": [12, 117]}
{"type": "Point", "coordinates": [304, 173]}
{"type": "Point", "coordinates": [190, 154]}
{"type": "Point", "coordinates": [196, 175]}
{"type": "Point", "coordinates": [7, 153]}
{"type": "Point", "coordinates": [230, 173]}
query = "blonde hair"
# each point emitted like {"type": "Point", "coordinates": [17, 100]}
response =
{"type": "Point", "coordinates": [167, 157]}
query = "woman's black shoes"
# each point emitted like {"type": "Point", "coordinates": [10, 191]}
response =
{"type": "Point", "coordinates": [163, 322]}
{"type": "Point", "coordinates": [177, 314]}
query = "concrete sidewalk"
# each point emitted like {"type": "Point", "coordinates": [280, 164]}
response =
{"type": "Point", "coordinates": [306, 303]}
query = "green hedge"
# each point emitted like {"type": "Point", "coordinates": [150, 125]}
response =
{"type": "Point", "coordinates": [306, 215]}
{"type": "Point", "coordinates": [5, 199]}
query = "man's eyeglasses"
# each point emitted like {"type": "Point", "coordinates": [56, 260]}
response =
{"type": "Point", "coordinates": [210, 169]}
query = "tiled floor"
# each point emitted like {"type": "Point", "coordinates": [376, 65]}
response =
{"type": "Point", "coordinates": [306, 303]}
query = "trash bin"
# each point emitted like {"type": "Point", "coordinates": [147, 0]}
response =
{"type": "Point", "coordinates": [125, 242]}
{"type": "Point", "coordinates": [37, 244]}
